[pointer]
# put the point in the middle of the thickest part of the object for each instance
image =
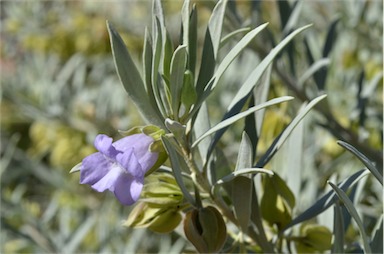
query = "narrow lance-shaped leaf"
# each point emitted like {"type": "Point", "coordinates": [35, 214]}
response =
{"type": "Point", "coordinates": [244, 92]}
{"type": "Point", "coordinates": [242, 185]}
{"type": "Point", "coordinates": [147, 67]}
{"type": "Point", "coordinates": [211, 46]}
{"type": "Point", "coordinates": [248, 85]}
{"type": "Point", "coordinates": [178, 62]}
{"type": "Point", "coordinates": [363, 159]}
{"type": "Point", "coordinates": [327, 200]}
{"type": "Point", "coordinates": [314, 68]}
{"type": "Point", "coordinates": [228, 59]}
{"type": "Point", "coordinates": [239, 172]}
{"type": "Point", "coordinates": [278, 142]}
{"type": "Point", "coordinates": [130, 78]}
{"type": "Point", "coordinates": [377, 238]}
{"type": "Point", "coordinates": [243, 114]}
{"type": "Point", "coordinates": [215, 24]}
{"type": "Point", "coordinates": [155, 67]}
{"type": "Point", "coordinates": [176, 169]}
{"type": "Point", "coordinates": [352, 210]}
{"type": "Point", "coordinates": [338, 230]}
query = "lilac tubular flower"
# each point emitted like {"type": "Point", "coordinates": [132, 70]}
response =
{"type": "Point", "coordinates": [119, 167]}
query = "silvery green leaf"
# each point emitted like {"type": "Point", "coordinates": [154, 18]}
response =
{"type": "Point", "coordinates": [192, 41]}
{"type": "Point", "coordinates": [233, 34]}
{"type": "Point", "coordinates": [241, 115]}
{"type": "Point", "coordinates": [377, 238]}
{"type": "Point", "coordinates": [188, 92]}
{"type": "Point", "coordinates": [178, 63]}
{"type": "Point", "coordinates": [130, 78]}
{"type": "Point", "coordinates": [201, 126]}
{"type": "Point", "coordinates": [76, 168]}
{"type": "Point", "coordinates": [215, 24]}
{"type": "Point", "coordinates": [185, 16]}
{"type": "Point", "coordinates": [244, 92]}
{"type": "Point", "coordinates": [147, 67]}
{"type": "Point", "coordinates": [316, 66]}
{"type": "Point", "coordinates": [167, 56]}
{"type": "Point", "coordinates": [252, 79]}
{"type": "Point", "coordinates": [327, 200]}
{"type": "Point", "coordinates": [363, 159]}
{"type": "Point", "coordinates": [244, 157]}
{"type": "Point", "coordinates": [260, 94]}
{"type": "Point", "coordinates": [211, 46]}
{"type": "Point", "coordinates": [176, 168]}
{"type": "Point", "coordinates": [155, 67]}
{"type": "Point", "coordinates": [224, 64]}
{"type": "Point", "coordinates": [338, 230]}
{"type": "Point", "coordinates": [207, 67]}
{"type": "Point", "coordinates": [293, 17]}
{"type": "Point", "coordinates": [242, 185]}
{"type": "Point", "coordinates": [242, 171]}
{"type": "Point", "coordinates": [278, 142]}
{"type": "Point", "coordinates": [242, 200]}
{"type": "Point", "coordinates": [352, 210]}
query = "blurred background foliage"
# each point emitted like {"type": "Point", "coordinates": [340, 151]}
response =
{"type": "Point", "coordinates": [59, 89]}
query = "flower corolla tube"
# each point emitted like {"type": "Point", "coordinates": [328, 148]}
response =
{"type": "Point", "coordinates": [119, 166]}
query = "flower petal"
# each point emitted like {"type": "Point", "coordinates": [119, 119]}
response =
{"type": "Point", "coordinates": [103, 143]}
{"type": "Point", "coordinates": [93, 168]}
{"type": "Point", "coordinates": [128, 189]}
{"type": "Point", "coordinates": [130, 163]}
{"type": "Point", "coordinates": [110, 180]}
{"type": "Point", "coordinates": [140, 143]}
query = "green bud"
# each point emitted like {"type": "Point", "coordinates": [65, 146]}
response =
{"type": "Point", "coordinates": [277, 201]}
{"type": "Point", "coordinates": [161, 189]}
{"type": "Point", "coordinates": [158, 219]}
{"type": "Point", "coordinates": [205, 229]}
{"type": "Point", "coordinates": [314, 238]}
{"type": "Point", "coordinates": [151, 130]}
{"type": "Point", "coordinates": [166, 222]}
{"type": "Point", "coordinates": [175, 127]}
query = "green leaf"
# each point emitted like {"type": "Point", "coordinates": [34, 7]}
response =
{"type": "Point", "coordinates": [278, 142]}
{"type": "Point", "coordinates": [207, 66]}
{"type": "Point", "coordinates": [327, 200]}
{"type": "Point", "coordinates": [363, 159]}
{"type": "Point", "coordinates": [130, 78]}
{"type": "Point", "coordinates": [215, 24]}
{"type": "Point", "coordinates": [178, 63]}
{"type": "Point", "coordinates": [192, 42]}
{"type": "Point", "coordinates": [188, 92]}
{"type": "Point", "coordinates": [338, 230]}
{"type": "Point", "coordinates": [76, 168]}
{"type": "Point", "coordinates": [242, 185]}
{"type": "Point", "coordinates": [155, 68]}
{"type": "Point", "coordinates": [243, 114]}
{"type": "Point", "coordinates": [252, 79]}
{"type": "Point", "coordinates": [377, 238]}
{"type": "Point", "coordinates": [176, 169]}
{"type": "Point", "coordinates": [211, 46]}
{"type": "Point", "coordinates": [201, 126]}
{"type": "Point", "coordinates": [245, 91]}
{"type": "Point", "coordinates": [147, 67]}
{"type": "Point", "coordinates": [239, 172]}
{"type": "Point", "coordinates": [168, 53]}
{"type": "Point", "coordinates": [244, 157]}
{"type": "Point", "coordinates": [352, 210]}
{"type": "Point", "coordinates": [315, 67]}
{"type": "Point", "coordinates": [224, 64]}
{"type": "Point", "coordinates": [233, 34]}
{"type": "Point", "coordinates": [261, 95]}
{"type": "Point", "coordinates": [242, 200]}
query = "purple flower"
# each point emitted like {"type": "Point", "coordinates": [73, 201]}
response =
{"type": "Point", "coordinates": [119, 167]}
